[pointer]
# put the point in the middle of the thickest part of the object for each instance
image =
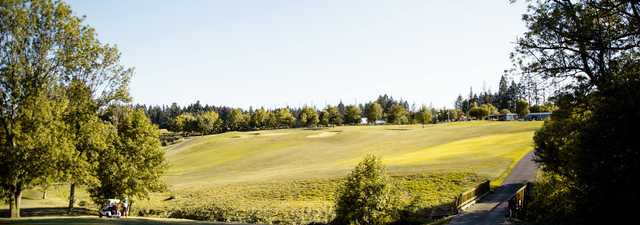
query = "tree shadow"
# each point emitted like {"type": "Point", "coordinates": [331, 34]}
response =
{"type": "Point", "coordinates": [398, 129]}
{"type": "Point", "coordinates": [103, 221]}
{"type": "Point", "coordinates": [315, 128]}
{"type": "Point", "coordinates": [422, 215]}
{"type": "Point", "coordinates": [52, 211]}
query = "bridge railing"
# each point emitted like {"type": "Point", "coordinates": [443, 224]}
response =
{"type": "Point", "coordinates": [462, 201]}
{"type": "Point", "coordinates": [518, 202]}
{"type": "Point", "coordinates": [469, 197]}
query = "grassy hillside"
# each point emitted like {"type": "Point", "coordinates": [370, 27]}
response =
{"type": "Point", "coordinates": [290, 176]}
{"type": "Point", "coordinates": [485, 148]}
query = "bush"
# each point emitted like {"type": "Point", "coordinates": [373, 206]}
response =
{"type": "Point", "coordinates": [478, 112]}
{"type": "Point", "coordinates": [367, 196]}
{"type": "Point", "coordinates": [551, 201]}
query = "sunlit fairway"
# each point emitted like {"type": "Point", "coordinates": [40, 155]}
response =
{"type": "Point", "coordinates": [290, 175]}
{"type": "Point", "coordinates": [485, 148]}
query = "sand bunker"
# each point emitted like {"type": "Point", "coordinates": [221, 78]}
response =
{"type": "Point", "coordinates": [323, 135]}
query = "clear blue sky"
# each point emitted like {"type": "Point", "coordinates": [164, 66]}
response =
{"type": "Point", "coordinates": [296, 52]}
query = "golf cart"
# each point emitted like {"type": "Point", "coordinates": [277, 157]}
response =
{"type": "Point", "coordinates": [111, 208]}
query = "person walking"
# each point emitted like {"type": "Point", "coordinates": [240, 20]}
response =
{"type": "Point", "coordinates": [125, 205]}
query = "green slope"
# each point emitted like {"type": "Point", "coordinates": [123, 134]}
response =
{"type": "Point", "coordinates": [290, 176]}
{"type": "Point", "coordinates": [486, 148]}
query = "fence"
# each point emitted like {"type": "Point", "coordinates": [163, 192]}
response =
{"type": "Point", "coordinates": [461, 201]}
{"type": "Point", "coordinates": [469, 197]}
{"type": "Point", "coordinates": [518, 202]}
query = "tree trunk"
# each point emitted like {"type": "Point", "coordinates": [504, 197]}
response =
{"type": "Point", "coordinates": [44, 192]}
{"type": "Point", "coordinates": [14, 205]}
{"type": "Point", "coordinates": [72, 197]}
{"type": "Point", "coordinates": [11, 206]}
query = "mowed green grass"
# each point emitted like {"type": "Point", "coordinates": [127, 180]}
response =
{"type": "Point", "coordinates": [290, 176]}
{"type": "Point", "coordinates": [481, 147]}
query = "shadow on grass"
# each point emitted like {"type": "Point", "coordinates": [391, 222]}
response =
{"type": "Point", "coordinates": [100, 221]}
{"type": "Point", "coordinates": [398, 129]}
{"type": "Point", "coordinates": [54, 211]}
{"type": "Point", "coordinates": [417, 215]}
{"type": "Point", "coordinates": [315, 128]}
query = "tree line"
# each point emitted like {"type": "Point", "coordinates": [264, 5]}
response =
{"type": "Point", "coordinates": [521, 98]}
{"type": "Point", "coordinates": [206, 119]}
{"type": "Point", "coordinates": [64, 113]}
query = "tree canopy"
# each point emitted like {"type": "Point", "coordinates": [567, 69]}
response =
{"type": "Point", "coordinates": [352, 114]}
{"type": "Point", "coordinates": [134, 164]}
{"type": "Point", "coordinates": [55, 80]}
{"type": "Point", "coordinates": [374, 112]}
{"type": "Point", "coordinates": [592, 47]}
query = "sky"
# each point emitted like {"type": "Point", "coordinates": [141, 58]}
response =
{"type": "Point", "coordinates": [298, 52]}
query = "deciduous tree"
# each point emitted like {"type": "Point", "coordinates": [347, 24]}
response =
{"type": "Point", "coordinates": [309, 117]}
{"type": "Point", "coordinates": [134, 163]}
{"type": "Point", "coordinates": [352, 114]}
{"type": "Point", "coordinates": [374, 112]}
{"type": "Point", "coordinates": [398, 115]}
{"type": "Point", "coordinates": [590, 141]}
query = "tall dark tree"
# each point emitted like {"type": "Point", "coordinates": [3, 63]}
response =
{"type": "Point", "coordinates": [593, 47]}
{"type": "Point", "coordinates": [503, 93]}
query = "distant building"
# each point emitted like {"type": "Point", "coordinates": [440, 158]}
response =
{"type": "Point", "coordinates": [538, 116]}
{"type": "Point", "coordinates": [364, 121]}
{"type": "Point", "coordinates": [492, 117]}
{"type": "Point", "coordinates": [503, 117]}
{"type": "Point", "coordinates": [508, 117]}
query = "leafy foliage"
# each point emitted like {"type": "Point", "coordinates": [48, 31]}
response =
{"type": "Point", "coordinates": [478, 112]}
{"type": "Point", "coordinates": [352, 114]}
{"type": "Point", "coordinates": [424, 115]}
{"type": "Point", "coordinates": [368, 196]}
{"type": "Point", "coordinates": [309, 117]}
{"type": "Point", "coordinates": [134, 164]}
{"type": "Point", "coordinates": [592, 46]}
{"type": "Point", "coordinates": [54, 75]}
{"type": "Point", "coordinates": [522, 108]}
{"type": "Point", "coordinates": [398, 115]}
{"type": "Point", "coordinates": [374, 112]}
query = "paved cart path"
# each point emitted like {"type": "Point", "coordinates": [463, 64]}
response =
{"type": "Point", "coordinates": [491, 209]}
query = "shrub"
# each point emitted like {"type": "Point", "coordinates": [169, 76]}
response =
{"type": "Point", "coordinates": [478, 112]}
{"type": "Point", "coordinates": [367, 196]}
{"type": "Point", "coordinates": [551, 202]}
